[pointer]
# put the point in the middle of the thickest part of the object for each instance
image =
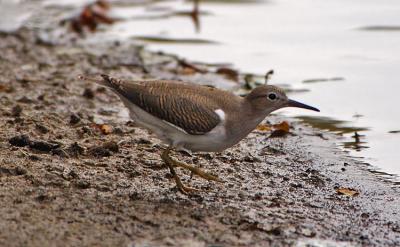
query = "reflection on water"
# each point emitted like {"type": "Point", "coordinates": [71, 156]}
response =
{"type": "Point", "coordinates": [164, 40]}
{"type": "Point", "coordinates": [333, 125]}
{"type": "Point", "coordinates": [354, 140]}
{"type": "Point", "coordinates": [232, 1]}
{"type": "Point", "coordinates": [357, 144]}
{"type": "Point", "coordinates": [166, 12]}
{"type": "Point", "coordinates": [381, 28]}
{"type": "Point", "coordinates": [323, 80]}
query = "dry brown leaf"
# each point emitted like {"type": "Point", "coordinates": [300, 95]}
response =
{"type": "Point", "coordinates": [284, 126]}
{"type": "Point", "coordinates": [3, 88]}
{"type": "Point", "coordinates": [188, 71]}
{"type": "Point", "coordinates": [6, 88]}
{"type": "Point", "coordinates": [190, 68]}
{"type": "Point", "coordinates": [347, 191]}
{"type": "Point", "coordinates": [230, 74]}
{"type": "Point", "coordinates": [90, 17]}
{"type": "Point", "coordinates": [280, 129]}
{"type": "Point", "coordinates": [105, 129]}
{"type": "Point", "coordinates": [263, 127]}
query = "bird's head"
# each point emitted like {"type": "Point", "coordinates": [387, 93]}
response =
{"type": "Point", "coordinates": [269, 98]}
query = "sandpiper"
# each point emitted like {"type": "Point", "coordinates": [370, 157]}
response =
{"type": "Point", "coordinates": [196, 118]}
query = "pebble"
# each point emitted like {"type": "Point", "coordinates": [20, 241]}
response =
{"type": "Point", "coordinates": [74, 119]}
{"type": "Point", "coordinates": [82, 184]}
{"type": "Point", "coordinates": [24, 140]}
{"type": "Point", "coordinates": [41, 128]}
{"type": "Point", "coordinates": [99, 152]}
{"type": "Point", "coordinates": [20, 171]}
{"type": "Point", "coordinates": [105, 150]}
{"type": "Point", "coordinates": [118, 131]}
{"type": "Point", "coordinates": [34, 157]}
{"type": "Point", "coordinates": [88, 93]}
{"type": "Point", "coordinates": [134, 196]}
{"type": "Point", "coordinates": [25, 100]}
{"type": "Point", "coordinates": [112, 146]}
{"type": "Point", "coordinates": [16, 111]}
{"type": "Point", "coordinates": [307, 232]}
{"type": "Point", "coordinates": [143, 141]}
{"type": "Point", "coordinates": [20, 141]}
{"type": "Point", "coordinates": [75, 149]}
{"type": "Point", "coordinates": [60, 152]}
{"type": "Point", "coordinates": [43, 146]}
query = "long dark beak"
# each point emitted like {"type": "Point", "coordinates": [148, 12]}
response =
{"type": "Point", "coordinates": [293, 103]}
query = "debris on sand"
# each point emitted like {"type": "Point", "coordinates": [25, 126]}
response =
{"type": "Point", "coordinates": [24, 140]}
{"type": "Point", "coordinates": [20, 141]}
{"type": "Point", "coordinates": [43, 146]}
{"type": "Point", "coordinates": [16, 111]}
{"type": "Point", "coordinates": [88, 93]}
{"type": "Point", "coordinates": [106, 150]}
{"type": "Point", "coordinates": [91, 16]}
{"type": "Point", "coordinates": [75, 149]}
{"type": "Point", "coordinates": [74, 119]}
{"type": "Point", "coordinates": [105, 129]}
{"type": "Point", "coordinates": [278, 130]}
{"type": "Point", "coordinates": [347, 191]}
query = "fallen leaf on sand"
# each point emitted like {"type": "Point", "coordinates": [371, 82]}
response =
{"type": "Point", "coordinates": [264, 127]}
{"type": "Point", "coordinates": [5, 88]}
{"type": "Point", "coordinates": [188, 71]}
{"type": "Point", "coordinates": [284, 126]}
{"type": "Point", "coordinates": [90, 17]}
{"type": "Point", "coordinates": [105, 129]}
{"type": "Point", "coordinates": [347, 191]}
{"type": "Point", "coordinates": [189, 68]}
{"type": "Point", "coordinates": [280, 129]}
{"type": "Point", "coordinates": [230, 74]}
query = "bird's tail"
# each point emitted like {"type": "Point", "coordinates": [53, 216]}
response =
{"type": "Point", "coordinates": [106, 81]}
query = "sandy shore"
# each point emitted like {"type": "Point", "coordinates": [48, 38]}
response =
{"type": "Point", "coordinates": [65, 180]}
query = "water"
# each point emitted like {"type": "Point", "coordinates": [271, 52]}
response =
{"type": "Point", "coordinates": [356, 42]}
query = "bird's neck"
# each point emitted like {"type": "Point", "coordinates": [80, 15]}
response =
{"type": "Point", "coordinates": [246, 120]}
{"type": "Point", "coordinates": [253, 117]}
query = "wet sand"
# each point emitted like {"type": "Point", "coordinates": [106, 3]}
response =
{"type": "Point", "coordinates": [66, 181]}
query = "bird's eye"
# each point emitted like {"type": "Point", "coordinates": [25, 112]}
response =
{"type": "Point", "coordinates": [272, 96]}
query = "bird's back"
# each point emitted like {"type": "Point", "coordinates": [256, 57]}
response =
{"type": "Point", "coordinates": [188, 106]}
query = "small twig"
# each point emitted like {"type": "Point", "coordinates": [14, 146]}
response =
{"type": "Point", "coordinates": [268, 75]}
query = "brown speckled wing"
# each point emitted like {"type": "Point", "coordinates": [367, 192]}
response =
{"type": "Point", "coordinates": [177, 104]}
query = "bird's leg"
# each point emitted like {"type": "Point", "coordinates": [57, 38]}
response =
{"type": "Point", "coordinates": [197, 171]}
{"type": "Point", "coordinates": [171, 163]}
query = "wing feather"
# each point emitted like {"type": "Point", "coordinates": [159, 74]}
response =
{"type": "Point", "coordinates": [181, 108]}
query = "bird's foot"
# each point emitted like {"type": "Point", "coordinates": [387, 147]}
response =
{"type": "Point", "coordinates": [197, 171]}
{"type": "Point", "coordinates": [171, 163]}
{"type": "Point", "coordinates": [187, 190]}
{"type": "Point", "coordinates": [182, 188]}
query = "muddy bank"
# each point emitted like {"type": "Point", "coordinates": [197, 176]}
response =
{"type": "Point", "coordinates": [75, 171]}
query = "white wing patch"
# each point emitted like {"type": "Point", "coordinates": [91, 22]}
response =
{"type": "Point", "coordinates": [221, 114]}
